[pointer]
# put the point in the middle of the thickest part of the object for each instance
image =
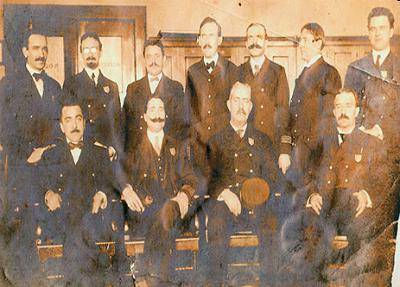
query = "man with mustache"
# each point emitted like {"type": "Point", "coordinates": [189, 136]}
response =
{"type": "Point", "coordinates": [77, 185]}
{"type": "Point", "coordinates": [159, 186]}
{"type": "Point", "coordinates": [270, 93]}
{"type": "Point", "coordinates": [99, 96]}
{"type": "Point", "coordinates": [236, 153]}
{"type": "Point", "coordinates": [154, 84]}
{"type": "Point", "coordinates": [346, 197]}
{"type": "Point", "coordinates": [30, 112]}
{"type": "Point", "coordinates": [313, 95]}
{"type": "Point", "coordinates": [208, 85]}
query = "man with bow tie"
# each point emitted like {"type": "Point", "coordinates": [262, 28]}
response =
{"type": "Point", "coordinates": [270, 93]}
{"type": "Point", "coordinates": [237, 153]}
{"type": "Point", "coordinates": [98, 95]}
{"type": "Point", "coordinates": [159, 186]}
{"type": "Point", "coordinates": [30, 111]}
{"type": "Point", "coordinates": [77, 184]}
{"type": "Point", "coordinates": [208, 85]}
{"type": "Point", "coordinates": [154, 84]}
{"type": "Point", "coordinates": [346, 196]}
{"type": "Point", "coordinates": [313, 95]}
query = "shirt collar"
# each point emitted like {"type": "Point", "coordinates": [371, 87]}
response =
{"type": "Point", "coordinates": [235, 128]}
{"type": "Point", "coordinates": [342, 132]}
{"type": "Point", "coordinates": [257, 61]}
{"type": "Point", "coordinates": [214, 58]}
{"type": "Point", "coordinates": [90, 71]}
{"type": "Point", "coordinates": [159, 76]}
{"type": "Point", "coordinates": [152, 135]}
{"type": "Point", "coordinates": [312, 61]}
{"type": "Point", "coordinates": [68, 141]}
{"type": "Point", "coordinates": [32, 70]}
{"type": "Point", "coordinates": [383, 53]}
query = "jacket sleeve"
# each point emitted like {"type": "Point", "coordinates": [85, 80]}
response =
{"type": "Point", "coordinates": [282, 94]}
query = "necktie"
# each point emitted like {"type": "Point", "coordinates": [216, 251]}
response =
{"type": "Point", "coordinates": [256, 69]}
{"type": "Point", "coordinates": [157, 147]}
{"type": "Point", "coordinates": [38, 76]}
{"type": "Point", "coordinates": [72, 145]}
{"type": "Point", "coordinates": [342, 136]}
{"type": "Point", "coordinates": [240, 132]}
{"type": "Point", "coordinates": [210, 65]}
{"type": "Point", "coordinates": [94, 79]}
{"type": "Point", "coordinates": [378, 62]}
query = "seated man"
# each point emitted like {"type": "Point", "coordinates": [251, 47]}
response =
{"type": "Point", "coordinates": [77, 179]}
{"type": "Point", "coordinates": [160, 184]}
{"type": "Point", "coordinates": [347, 195]}
{"type": "Point", "coordinates": [237, 153]}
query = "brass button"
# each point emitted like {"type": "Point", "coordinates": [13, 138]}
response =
{"type": "Point", "coordinates": [104, 105]}
{"type": "Point", "coordinates": [330, 167]}
{"type": "Point", "coordinates": [250, 154]}
{"type": "Point", "coordinates": [329, 182]}
{"type": "Point", "coordinates": [209, 80]}
{"type": "Point", "coordinates": [209, 128]}
{"type": "Point", "coordinates": [346, 180]}
{"type": "Point", "coordinates": [89, 106]}
{"type": "Point", "coordinates": [295, 131]}
{"type": "Point", "coordinates": [347, 166]}
{"type": "Point", "coordinates": [261, 122]}
{"type": "Point", "coordinates": [61, 175]}
{"type": "Point", "coordinates": [251, 171]}
{"type": "Point", "coordinates": [262, 106]}
{"type": "Point", "coordinates": [145, 175]}
{"type": "Point", "coordinates": [209, 96]}
{"type": "Point", "coordinates": [209, 112]}
{"type": "Point", "coordinates": [236, 155]}
{"type": "Point", "coordinates": [298, 101]}
{"type": "Point", "coordinates": [140, 128]}
{"type": "Point", "coordinates": [159, 167]}
{"type": "Point", "coordinates": [91, 120]}
{"type": "Point", "coordinates": [262, 90]}
{"type": "Point", "coordinates": [236, 170]}
{"type": "Point", "coordinates": [31, 116]}
{"type": "Point", "coordinates": [295, 115]}
{"type": "Point", "coordinates": [381, 116]}
{"type": "Point", "coordinates": [384, 97]}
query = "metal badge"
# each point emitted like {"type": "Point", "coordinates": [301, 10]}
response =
{"type": "Point", "coordinates": [358, 157]}
{"type": "Point", "coordinates": [251, 141]}
{"type": "Point", "coordinates": [172, 151]}
{"type": "Point", "coordinates": [106, 89]}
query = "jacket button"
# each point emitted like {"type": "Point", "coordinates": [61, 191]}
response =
{"type": "Point", "coordinates": [236, 155]}
{"type": "Point", "coordinates": [295, 115]}
{"type": "Point", "coordinates": [209, 128]}
{"type": "Point", "coordinates": [251, 171]}
{"type": "Point", "coordinates": [261, 122]}
{"type": "Point", "coordinates": [347, 166]}
{"type": "Point", "coordinates": [237, 184]}
{"type": "Point", "coordinates": [145, 175]}
{"type": "Point", "coordinates": [262, 90]}
{"type": "Point", "coordinates": [250, 154]}
{"type": "Point", "coordinates": [381, 116]}
{"type": "Point", "coordinates": [104, 105]}
{"type": "Point", "coordinates": [329, 182]}
{"type": "Point", "coordinates": [262, 106]}
{"type": "Point", "coordinates": [346, 180]}
{"type": "Point", "coordinates": [31, 116]}
{"type": "Point", "coordinates": [209, 112]}
{"type": "Point", "coordinates": [61, 175]}
{"type": "Point", "coordinates": [209, 96]}
{"type": "Point", "coordinates": [89, 106]}
{"type": "Point", "coordinates": [59, 189]}
{"type": "Point", "coordinates": [140, 128]}
{"type": "Point", "coordinates": [330, 167]}
{"type": "Point", "coordinates": [141, 116]}
{"type": "Point", "coordinates": [209, 80]}
{"type": "Point", "coordinates": [91, 121]}
{"type": "Point", "coordinates": [384, 97]}
{"type": "Point", "coordinates": [298, 101]}
{"type": "Point", "coordinates": [236, 170]}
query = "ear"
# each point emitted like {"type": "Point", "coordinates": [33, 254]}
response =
{"type": "Point", "coordinates": [357, 111]}
{"type": "Point", "coordinates": [228, 104]}
{"type": "Point", "coordinates": [198, 40]}
{"type": "Point", "coordinates": [62, 127]}
{"type": "Point", "coordinates": [219, 40]}
{"type": "Point", "coordinates": [25, 52]}
{"type": "Point", "coordinates": [391, 32]}
{"type": "Point", "coordinates": [145, 117]}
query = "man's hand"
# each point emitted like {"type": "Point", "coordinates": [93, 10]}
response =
{"type": "Point", "coordinates": [232, 201]}
{"type": "Point", "coordinates": [362, 198]}
{"type": "Point", "coordinates": [112, 153]}
{"type": "Point", "coordinates": [316, 203]}
{"type": "Point", "coordinates": [375, 131]}
{"type": "Point", "coordinates": [183, 202]}
{"type": "Point", "coordinates": [37, 153]}
{"type": "Point", "coordinates": [284, 162]}
{"type": "Point", "coordinates": [132, 199]}
{"type": "Point", "coordinates": [99, 201]}
{"type": "Point", "coordinates": [52, 200]}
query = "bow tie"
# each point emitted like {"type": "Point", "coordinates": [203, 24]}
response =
{"type": "Point", "coordinates": [153, 79]}
{"type": "Point", "coordinates": [210, 65]}
{"type": "Point", "coordinates": [343, 136]}
{"type": "Point", "coordinates": [72, 145]}
{"type": "Point", "coordinates": [38, 76]}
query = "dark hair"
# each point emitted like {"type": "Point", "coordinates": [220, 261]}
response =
{"type": "Point", "coordinates": [28, 34]}
{"type": "Point", "coordinates": [257, 24]}
{"type": "Point", "coordinates": [69, 99]}
{"type": "Point", "coordinates": [91, 35]}
{"type": "Point", "coordinates": [349, 91]}
{"type": "Point", "coordinates": [210, 20]}
{"type": "Point", "coordinates": [381, 11]}
{"type": "Point", "coordinates": [153, 42]}
{"type": "Point", "coordinates": [316, 30]}
{"type": "Point", "coordinates": [147, 102]}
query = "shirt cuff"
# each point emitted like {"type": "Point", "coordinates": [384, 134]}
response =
{"type": "Point", "coordinates": [369, 201]}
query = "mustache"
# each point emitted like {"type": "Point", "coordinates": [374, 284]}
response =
{"type": "Point", "coordinates": [154, 65]}
{"type": "Point", "coordinates": [255, 45]}
{"type": "Point", "coordinates": [206, 46]}
{"type": "Point", "coordinates": [343, 116]}
{"type": "Point", "coordinates": [42, 59]}
{"type": "Point", "coordinates": [241, 112]}
{"type": "Point", "coordinates": [76, 131]}
{"type": "Point", "coordinates": [91, 58]}
{"type": "Point", "coordinates": [157, 120]}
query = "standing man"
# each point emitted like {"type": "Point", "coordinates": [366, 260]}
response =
{"type": "Point", "coordinates": [270, 93]}
{"type": "Point", "coordinates": [313, 95]}
{"type": "Point", "coordinates": [208, 85]}
{"type": "Point", "coordinates": [159, 188]}
{"type": "Point", "coordinates": [236, 154]}
{"type": "Point", "coordinates": [98, 95]}
{"type": "Point", "coordinates": [154, 85]}
{"type": "Point", "coordinates": [30, 114]}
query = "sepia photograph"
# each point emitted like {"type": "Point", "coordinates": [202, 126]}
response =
{"type": "Point", "coordinates": [158, 143]}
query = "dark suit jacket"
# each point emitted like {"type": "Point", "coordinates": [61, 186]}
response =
{"type": "Point", "coordinates": [137, 95]}
{"type": "Point", "coordinates": [77, 184]}
{"type": "Point", "coordinates": [206, 95]}
{"type": "Point", "coordinates": [379, 94]}
{"type": "Point", "coordinates": [28, 120]}
{"type": "Point", "coordinates": [270, 96]}
{"type": "Point", "coordinates": [233, 159]}
{"type": "Point", "coordinates": [312, 99]}
{"type": "Point", "coordinates": [162, 176]}
{"type": "Point", "coordinates": [101, 107]}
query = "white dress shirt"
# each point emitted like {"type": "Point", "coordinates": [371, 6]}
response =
{"type": "Point", "coordinates": [236, 129]}
{"type": "Point", "coordinates": [76, 153]}
{"type": "Point", "coordinates": [39, 83]}
{"type": "Point", "coordinates": [208, 61]}
{"type": "Point", "coordinates": [256, 61]}
{"type": "Point", "coordinates": [383, 53]}
{"type": "Point", "coordinates": [156, 139]}
{"type": "Point", "coordinates": [96, 73]}
{"type": "Point", "coordinates": [154, 83]}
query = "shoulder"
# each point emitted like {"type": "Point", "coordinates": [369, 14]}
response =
{"type": "Point", "coordinates": [276, 67]}
{"type": "Point", "coordinates": [134, 86]}
{"type": "Point", "coordinates": [360, 64]}
{"type": "Point", "coordinates": [173, 84]}
{"type": "Point", "coordinates": [195, 67]}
